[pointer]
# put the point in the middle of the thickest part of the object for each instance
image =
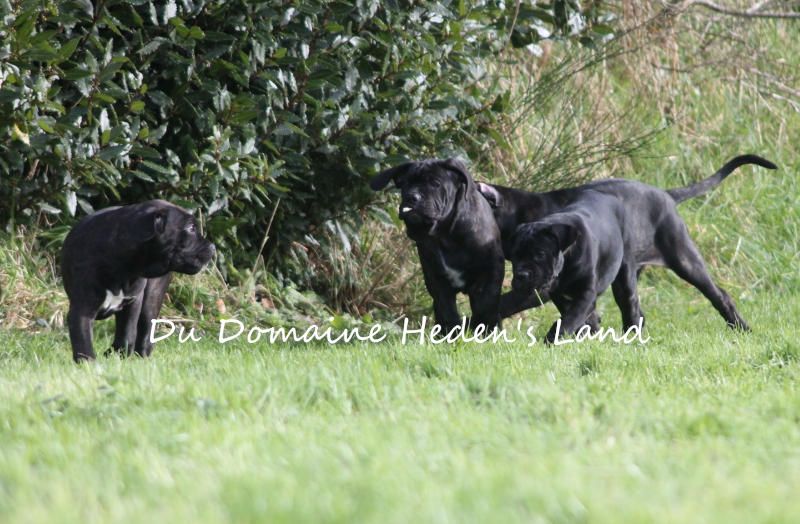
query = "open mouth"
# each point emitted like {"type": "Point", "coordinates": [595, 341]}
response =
{"type": "Point", "coordinates": [409, 214]}
{"type": "Point", "coordinates": [521, 286]}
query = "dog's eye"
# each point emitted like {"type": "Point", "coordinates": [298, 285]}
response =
{"type": "Point", "coordinates": [191, 228]}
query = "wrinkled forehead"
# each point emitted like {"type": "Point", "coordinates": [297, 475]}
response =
{"type": "Point", "coordinates": [177, 214]}
{"type": "Point", "coordinates": [425, 173]}
{"type": "Point", "coordinates": [183, 217]}
{"type": "Point", "coordinates": [529, 239]}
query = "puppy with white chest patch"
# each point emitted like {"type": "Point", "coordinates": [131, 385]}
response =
{"type": "Point", "coordinates": [457, 238]}
{"type": "Point", "coordinates": [119, 261]}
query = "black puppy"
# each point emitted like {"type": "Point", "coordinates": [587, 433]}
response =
{"type": "Point", "coordinates": [118, 261]}
{"type": "Point", "coordinates": [513, 207]}
{"type": "Point", "coordinates": [457, 238]}
{"type": "Point", "coordinates": [605, 233]}
{"type": "Point", "coordinates": [570, 258]}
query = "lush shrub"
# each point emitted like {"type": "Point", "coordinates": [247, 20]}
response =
{"type": "Point", "coordinates": [243, 109]}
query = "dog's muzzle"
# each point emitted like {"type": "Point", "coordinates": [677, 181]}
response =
{"type": "Point", "coordinates": [411, 215]}
{"type": "Point", "coordinates": [408, 206]}
{"type": "Point", "coordinates": [522, 279]}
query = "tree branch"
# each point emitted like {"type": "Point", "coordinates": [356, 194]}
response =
{"type": "Point", "coordinates": [752, 12]}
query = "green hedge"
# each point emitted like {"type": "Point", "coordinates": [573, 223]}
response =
{"type": "Point", "coordinates": [226, 106]}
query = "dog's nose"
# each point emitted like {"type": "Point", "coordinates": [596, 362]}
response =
{"type": "Point", "coordinates": [523, 276]}
{"type": "Point", "coordinates": [412, 199]}
{"type": "Point", "coordinates": [409, 203]}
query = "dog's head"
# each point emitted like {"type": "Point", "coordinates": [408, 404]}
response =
{"type": "Point", "coordinates": [430, 193]}
{"type": "Point", "coordinates": [167, 238]}
{"type": "Point", "coordinates": [537, 255]}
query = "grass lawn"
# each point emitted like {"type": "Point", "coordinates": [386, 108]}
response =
{"type": "Point", "coordinates": [699, 425]}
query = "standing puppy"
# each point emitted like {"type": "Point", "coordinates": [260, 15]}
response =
{"type": "Point", "coordinates": [119, 261]}
{"type": "Point", "coordinates": [457, 238]}
{"type": "Point", "coordinates": [570, 258]}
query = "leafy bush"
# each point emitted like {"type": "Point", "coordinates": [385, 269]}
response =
{"type": "Point", "coordinates": [254, 113]}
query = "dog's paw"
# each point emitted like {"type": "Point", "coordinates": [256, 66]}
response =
{"type": "Point", "coordinates": [740, 325]}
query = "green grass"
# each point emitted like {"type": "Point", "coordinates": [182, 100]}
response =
{"type": "Point", "coordinates": [700, 425]}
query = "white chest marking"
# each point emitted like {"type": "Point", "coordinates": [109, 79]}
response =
{"type": "Point", "coordinates": [455, 277]}
{"type": "Point", "coordinates": [112, 302]}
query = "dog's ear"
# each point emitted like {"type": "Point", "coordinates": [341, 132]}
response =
{"type": "Point", "coordinates": [457, 166]}
{"type": "Point", "coordinates": [490, 194]}
{"type": "Point", "coordinates": [566, 234]}
{"type": "Point", "coordinates": [396, 174]}
{"type": "Point", "coordinates": [159, 222]}
{"type": "Point", "coordinates": [146, 227]}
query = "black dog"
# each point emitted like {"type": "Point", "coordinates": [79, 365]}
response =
{"type": "Point", "coordinates": [606, 232]}
{"type": "Point", "coordinates": [457, 238]}
{"type": "Point", "coordinates": [570, 258]}
{"type": "Point", "coordinates": [118, 261]}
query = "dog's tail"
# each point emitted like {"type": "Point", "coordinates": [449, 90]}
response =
{"type": "Point", "coordinates": [680, 194]}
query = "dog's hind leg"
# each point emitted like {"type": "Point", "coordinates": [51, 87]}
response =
{"type": "Point", "coordinates": [682, 256]}
{"type": "Point", "coordinates": [627, 296]}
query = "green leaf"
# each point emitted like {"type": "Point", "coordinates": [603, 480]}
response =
{"type": "Point", "coordinates": [50, 210]}
{"type": "Point", "coordinates": [196, 33]}
{"type": "Point", "coordinates": [72, 202]}
{"type": "Point", "coordinates": [141, 176]}
{"type": "Point", "coordinates": [152, 46]}
{"type": "Point", "coordinates": [19, 134]}
{"type": "Point", "coordinates": [602, 29]}
{"type": "Point", "coordinates": [87, 6]}
{"type": "Point", "coordinates": [111, 152]}
{"type": "Point", "coordinates": [68, 48]}
{"type": "Point", "coordinates": [45, 126]}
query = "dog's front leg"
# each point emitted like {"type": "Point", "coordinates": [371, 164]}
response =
{"type": "Point", "coordinates": [128, 317]}
{"type": "Point", "coordinates": [80, 321]}
{"type": "Point", "coordinates": [574, 315]}
{"type": "Point", "coordinates": [125, 329]}
{"type": "Point", "coordinates": [152, 300]}
{"type": "Point", "coordinates": [445, 310]}
{"type": "Point", "coordinates": [515, 301]}
{"type": "Point", "coordinates": [484, 300]}
{"type": "Point", "coordinates": [565, 304]}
